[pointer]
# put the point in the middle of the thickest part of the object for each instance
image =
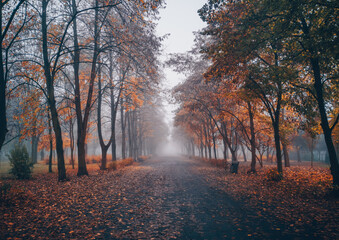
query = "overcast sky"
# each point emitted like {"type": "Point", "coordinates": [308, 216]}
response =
{"type": "Point", "coordinates": [179, 19]}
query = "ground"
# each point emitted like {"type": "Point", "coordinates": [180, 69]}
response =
{"type": "Point", "coordinates": [164, 198]}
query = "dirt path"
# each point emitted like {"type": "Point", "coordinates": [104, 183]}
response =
{"type": "Point", "coordinates": [162, 198]}
{"type": "Point", "coordinates": [179, 203]}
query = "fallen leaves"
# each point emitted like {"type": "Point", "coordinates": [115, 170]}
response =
{"type": "Point", "coordinates": [300, 199]}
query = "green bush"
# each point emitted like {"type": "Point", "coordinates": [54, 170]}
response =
{"type": "Point", "coordinates": [21, 165]}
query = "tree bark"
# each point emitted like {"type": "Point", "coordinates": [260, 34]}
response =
{"type": "Point", "coordinates": [51, 97]}
{"type": "Point", "coordinates": [3, 66]}
{"type": "Point", "coordinates": [104, 147]}
{"type": "Point", "coordinates": [252, 140]}
{"type": "Point", "coordinates": [50, 145]}
{"type": "Point", "coordinates": [34, 153]}
{"type": "Point", "coordinates": [277, 145]}
{"type": "Point", "coordinates": [324, 121]}
{"type": "Point", "coordinates": [123, 130]}
{"type": "Point", "coordinates": [130, 142]}
{"type": "Point", "coordinates": [286, 155]}
{"type": "Point", "coordinates": [82, 168]}
{"type": "Point", "coordinates": [243, 152]}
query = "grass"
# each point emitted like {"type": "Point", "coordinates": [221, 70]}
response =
{"type": "Point", "coordinates": [93, 164]}
{"type": "Point", "coordinates": [42, 168]}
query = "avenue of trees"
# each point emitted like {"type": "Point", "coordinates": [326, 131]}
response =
{"type": "Point", "coordinates": [261, 74]}
{"type": "Point", "coordinates": [76, 70]}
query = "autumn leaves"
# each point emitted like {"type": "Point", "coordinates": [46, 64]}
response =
{"type": "Point", "coordinates": [262, 64]}
{"type": "Point", "coordinates": [71, 58]}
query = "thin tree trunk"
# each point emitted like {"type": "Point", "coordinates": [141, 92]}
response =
{"type": "Point", "coordinates": [123, 130]}
{"type": "Point", "coordinates": [3, 118]}
{"type": "Point", "coordinates": [243, 152]}
{"type": "Point", "coordinates": [130, 142]}
{"type": "Point", "coordinates": [104, 147]}
{"type": "Point", "coordinates": [312, 154]}
{"type": "Point", "coordinates": [268, 152]}
{"type": "Point", "coordinates": [298, 154]}
{"type": "Point", "coordinates": [252, 141]}
{"type": "Point", "coordinates": [277, 145]}
{"type": "Point", "coordinates": [51, 97]}
{"type": "Point", "coordinates": [214, 146]}
{"type": "Point", "coordinates": [71, 134]}
{"type": "Point", "coordinates": [50, 145]}
{"type": "Point", "coordinates": [82, 168]}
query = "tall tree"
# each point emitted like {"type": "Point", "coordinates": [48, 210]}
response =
{"type": "Point", "coordinates": [9, 33]}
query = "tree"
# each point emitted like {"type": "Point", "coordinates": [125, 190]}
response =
{"type": "Point", "coordinates": [9, 33]}
{"type": "Point", "coordinates": [50, 72]}
{"type": "Point", "coordinates": [308, 32]}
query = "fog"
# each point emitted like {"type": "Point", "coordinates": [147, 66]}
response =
{"type": "Point", "coordinates": [170, 148]}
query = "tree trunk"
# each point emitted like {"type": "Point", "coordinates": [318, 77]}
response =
{"type": "Point", "coordinates": [113, 109]}
{"type": "Point", "coordinates": [252, 140]}
{"type": "Point", "coordinates": [3, 66]}
{"type": "Point", "coordinates": [234, 156]}
{"type": "Point", "coordinates": [225, 149]}
{"type": "Point", "coordinates": [243, 152]}
{"type": "Point", "coordinates": [277, 145]}
{"type": "Point", "coordinates": [104, 147]}
{"type": "Point", "coordinates": [35, 141]}
{"type": "Point", "coordinates": [286, 155]}
{"type": "Point", "coordinates": [193, 148]}
{"type": "Point", "coordinates": [123, 130]}
{"type": "Point", "coordinates": [268, 152]}
{"type": "Point", "coordinates": [298, 154]}
{"type": "Point", "coordinates": [82, 168]}
{"type": "Point", "coordinates": [51, 97]}
{"type": "Point", "coordinates": [324, 121]}
{"type": "Point", "coordinates": [130, 142]}
{"type": "Point", "coordinates": [3, 118]}
{"type": "Point", "coordinates": [312, 154]}
{"type": "Point", "coordinates": [50, 145]}
{"type": "Point", "coordinates": [71, 134]}
{"type": "Point", "coordinates": [81, 137]}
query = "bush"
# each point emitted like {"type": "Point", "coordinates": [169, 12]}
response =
{"type": "Point", "coordinates": [273, 175]}
{"type": "Point", "coordinates": [21, 165]}
{"type": "Point", "coordinates": [112, 165]}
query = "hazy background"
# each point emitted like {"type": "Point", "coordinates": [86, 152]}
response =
{"type": "Point", "coordinates": [179, 19]}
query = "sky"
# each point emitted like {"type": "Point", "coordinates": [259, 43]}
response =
{"type": "Point", "coordinates": [179, 19]}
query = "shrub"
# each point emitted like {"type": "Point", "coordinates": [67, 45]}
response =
{"type": "Point", "coordinates": [112, 165]}
{"type": "Point", "coordinates": [21, 165]}
{"type": "Point", "coordinates": [273, 175]}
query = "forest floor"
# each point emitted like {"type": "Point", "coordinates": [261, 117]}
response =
{"type": "Point", "coordinates": [171, 198]}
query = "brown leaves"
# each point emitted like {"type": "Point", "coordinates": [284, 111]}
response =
{"type": "Point", "coordinates": [299, 199]}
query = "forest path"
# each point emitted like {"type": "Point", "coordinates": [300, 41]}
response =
{"type": "Point", "coordinates": [174, 201]}
{"type": "Point", "coordinates": [160, 198]}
